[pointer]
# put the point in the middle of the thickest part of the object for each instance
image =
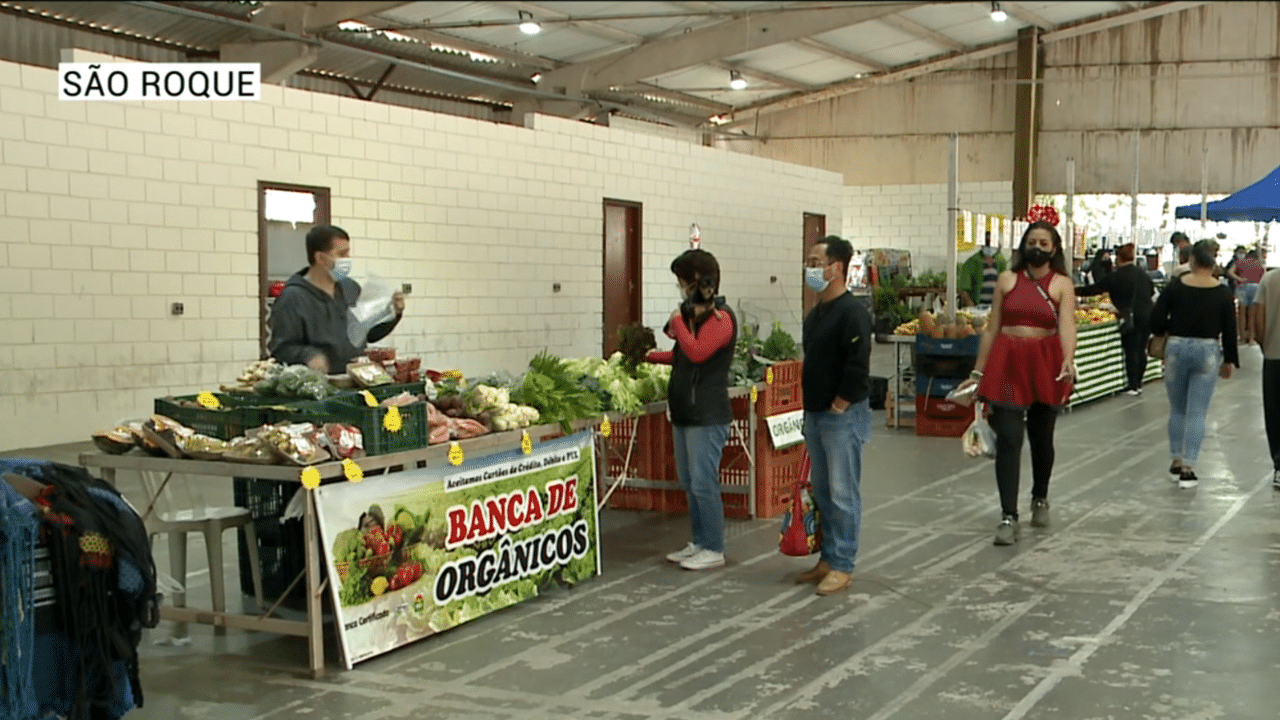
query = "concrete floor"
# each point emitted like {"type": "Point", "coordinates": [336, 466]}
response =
{"type": "Point", "coordinates": [1142, 600]}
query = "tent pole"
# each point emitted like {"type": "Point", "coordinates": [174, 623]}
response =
{"type": "Point", "coordinates": [953, 211]}
{"type": "Point", "coordinates": [1133, 205]}
{"type": "Point", "coordinates": [1204, 187]}
{"type": "Point", "coordinates": [1071, 204]}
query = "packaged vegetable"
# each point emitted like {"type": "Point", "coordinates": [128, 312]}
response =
{"type": "Point", "coordinates": [369, 374]}
{"type": "Point", "coordinates": [299, 444]}
{"type": "Point", "coordinates": [343, 441]}
{"type": "Point", "coordinates": [250, 450]}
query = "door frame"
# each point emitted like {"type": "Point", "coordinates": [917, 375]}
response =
{"type": "Point", "coordinates": [635, 258]}
{"type": "Point", "coordinates": [809, 298]}
{"type": "Point", "coordinates": [322, 217]}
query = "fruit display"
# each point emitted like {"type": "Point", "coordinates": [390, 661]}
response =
{"type": "Point", "coordinates": [1093, 316]}
{"type": "Point", "coordinates": [966, 324]}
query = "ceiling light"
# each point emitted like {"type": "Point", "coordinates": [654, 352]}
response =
{"type": "Point", "coordinates": [537, 77]}
{"type": "Point", "coordinates": [997, 13]}
{"type": "Point", "coordinates": [527, 24]}
{"type": "Point", "coordinates": [736, 81]}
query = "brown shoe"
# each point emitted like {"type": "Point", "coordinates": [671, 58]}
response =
{"type": "Point", "coordinates": [818, 572]}
{"type": "Point", "coordinates": [834, 582]}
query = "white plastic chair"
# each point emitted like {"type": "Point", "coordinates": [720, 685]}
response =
{"type": "Point", "coordinates": [175, 509]}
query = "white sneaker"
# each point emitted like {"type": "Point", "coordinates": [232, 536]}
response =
{"type": "Point", "coordinates": [703, 560]}
{"type": "Point", "coordinates": [681, 555]}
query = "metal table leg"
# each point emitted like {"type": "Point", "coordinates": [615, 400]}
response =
{"type": "Point", "coordinates": [315, 617]}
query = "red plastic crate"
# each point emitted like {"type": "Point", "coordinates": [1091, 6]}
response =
{"type": "Point", "coordinates": [941, 427]}
{"type": "Point", "coordinates": [775, 483]}
{"type": "Point", "coordinates": [784, 393]}
{"type": "Point", "coordinates": [942, 409]}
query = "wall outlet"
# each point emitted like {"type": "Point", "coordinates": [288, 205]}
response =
{"type": "Point", "coordinates": [177, 309]}
{"type": "Point", "coordinates": [406, 288]}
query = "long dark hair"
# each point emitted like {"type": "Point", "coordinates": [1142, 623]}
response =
{"type": "Point", "coordinates": [1057, 261]}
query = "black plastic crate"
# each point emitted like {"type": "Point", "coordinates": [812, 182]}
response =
{"type": "Point", "coordinates": [281, 546]}
{"type": "Point", "coordinates": [352, 410]}
{"type": "Point", "coordinates": [944, 366]}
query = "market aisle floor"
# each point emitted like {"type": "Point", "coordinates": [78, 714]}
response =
{"type": "Point", "coordinates": [1141, 601]}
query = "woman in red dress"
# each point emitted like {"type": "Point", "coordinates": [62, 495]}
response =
{"type": "Point", "coordinates": [1025, 369]}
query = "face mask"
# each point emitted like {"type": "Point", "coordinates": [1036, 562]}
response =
{"type": "Point", "coordinates": [1104, 264]}
{"type": "Point", "coordinates": [813, 277]}
{"type": "Point", "coordinates": [1037, 257]}
{"type": "Point", "coordinates": [685, 293]}
{"type": "Point", "coordinates": [1240, 256]}
{"type": "Point", "coordinates": [988, 251]}
{"type": "Point", "coordinates": [341, 269]}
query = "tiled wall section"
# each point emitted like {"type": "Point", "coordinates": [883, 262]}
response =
{"type": "Point", "coordinates": [113, 211]}
{"type": "Point", "coordinates": [914, 217]}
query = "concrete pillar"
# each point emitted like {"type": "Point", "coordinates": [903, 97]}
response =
{"type": "Point", "coordinates": [1026, 121]}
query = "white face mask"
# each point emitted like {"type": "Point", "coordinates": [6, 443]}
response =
{"type": "Point", "coordinates": [814, 278]}
{"type": "Point", "coordinates": [988, 250]}
{"type": "Point", "coordinates": [341, 269]}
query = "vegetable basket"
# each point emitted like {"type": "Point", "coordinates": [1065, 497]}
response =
{"type": "Point", "coordinates": [375, 565]}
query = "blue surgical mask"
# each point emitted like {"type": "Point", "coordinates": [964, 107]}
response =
{"type": "Point", "coordinates": [341, 269]}
{"type": "Point", "coordinates": [988, 250]}
{"type": "Point", "coordinates": [813, 277]}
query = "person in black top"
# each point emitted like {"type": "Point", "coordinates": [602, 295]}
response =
{"type": "Point", "coordinates": [706, 333]}
{"type": "Point", "coordinates": [1131, 290]}
{"type": "Point", "coordinates": [1101, 265]}
{"type": "Point", "coordinates": [1198, 315]}
{"type": "Point", "coordinates": [835, 381]}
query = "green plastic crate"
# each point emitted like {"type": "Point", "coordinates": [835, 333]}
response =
{"type": "Point", "coordinates": [240, 413]}
{"type": "Point", "coordinates": [352, 410]}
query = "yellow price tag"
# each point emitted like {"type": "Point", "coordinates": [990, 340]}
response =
{"type": "Point", "coordinates": [352, 470]}
{"type": "Point", "coordinates": [456, 456]}
{"type": "Point", "coordinates": [606, 429]}
{"type": "Point", "coordinates": [526, 444]}
{"type": "Point", "coordinates": [310, 478]}
{"type": "Point", "coordinates": [768, 375]}
{"type": "Point", "coordinates": [209, 401]}
{"type": "Point", "coordinates": [755, 395]}
{"type": "Point", "coordinates": [392, 421]}
{"type": "Point", "coordinates": [369, 399]}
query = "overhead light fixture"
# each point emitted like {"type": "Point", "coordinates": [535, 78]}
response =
{"type": "Point", "coordinates": [736, 81]}
{"type": "Point", "coordinates": [537, 77]}
{"type": "Point", "coordinates": [997, 13]}
{"type": "Point", "coordinates": [527, 24]}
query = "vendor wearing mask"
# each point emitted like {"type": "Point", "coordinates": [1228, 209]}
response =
{"type": "Point", "coordinates": [309, 319]}
{"type": "Point", "coordinates": [976, 277]}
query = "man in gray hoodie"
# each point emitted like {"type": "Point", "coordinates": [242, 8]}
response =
{"type": "Point", "coordinates": [309, 318]}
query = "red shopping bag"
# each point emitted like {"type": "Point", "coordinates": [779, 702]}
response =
{"type": "Point", "coordinates": [801, 532]}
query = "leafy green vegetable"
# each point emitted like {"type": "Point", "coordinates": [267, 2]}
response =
{"type": "Point", "coordinates": [554, 391]}
{"type": "Point", "coordinates": [294, 381]}
{"type": "Point", "coordinates": [355, 589]}
{"type": "Point", "coordinates": [780, 345]}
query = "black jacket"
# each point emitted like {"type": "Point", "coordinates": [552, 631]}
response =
{"type": "Point", "coordinates": [1130, 289]}
{"type": "Point", "coordinates": [837, 353]}
{"type": "Point", "coordinates": [306, 320]}
{"type": "Point", "coordinates": [698, 393]}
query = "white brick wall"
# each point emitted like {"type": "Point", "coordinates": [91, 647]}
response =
{"type": "Point", "coordinates": [914, 217]}
{"type": "Point", "coordinates": [117, 210]}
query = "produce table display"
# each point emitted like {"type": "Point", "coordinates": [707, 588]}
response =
{"type": "Point", "coordinates": [1100, 363]}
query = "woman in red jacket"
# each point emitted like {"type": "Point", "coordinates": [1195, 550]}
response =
{"type": "Point", "coordinates": [705, 331]}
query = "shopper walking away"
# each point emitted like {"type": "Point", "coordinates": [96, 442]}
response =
{"type": "Point", "coordinates": [835, 381]}
{"type": "Point", "coordinates": [1180, 264]}
{"type": "Point", "coordinates": [1131, 292]}
{"type": "Point", "coordinates": [1025, 369]}
{"type": "Point", "coordinates": [706, 332]}
{"type": "Point", "coordinates": [1198, 315]}
{"type": "Point", "coordinates": [1266, 326]}
{"type": "Point", "coordinates": [1246, 272]}
{"type": "Point", "coordinates": [1101, 265]}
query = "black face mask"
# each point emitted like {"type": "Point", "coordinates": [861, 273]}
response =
{"type": "Point", "coordinates": [1037, 257]}
{"type": "Point", "coordinates": [1105, 264]}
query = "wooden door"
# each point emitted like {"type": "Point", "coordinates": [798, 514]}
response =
{"type": "Point", "coordinates": [815, 228]}
{"type": "Point", "coordinates": [622, 281]}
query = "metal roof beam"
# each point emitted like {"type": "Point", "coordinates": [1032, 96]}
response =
{"type": "Point", "coordinates": [911, 27]}
{"type": "Point", "coordinates": [751, 31]}
{"type": "Point", "coordinates": [1027, 16]}
{"type": "Point", "coordinates": [768, 77]}
{"type": "Point", "coordinates": [311, 16]}
{"type": "Point", "coordinates": [535, 62]}
{"type": "Point", "coordinates": [863, 60]}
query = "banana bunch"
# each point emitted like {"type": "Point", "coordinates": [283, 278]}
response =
{"type": "Point", "coordinates": [911, 327]}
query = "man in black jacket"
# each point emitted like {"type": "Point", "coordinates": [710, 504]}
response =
{"type": "Point", "coordinates": [1131, 290]}
{"type": "Point", "coordinates": [309, 319]}
{"type": "Point", "coordinates": [837, 411]}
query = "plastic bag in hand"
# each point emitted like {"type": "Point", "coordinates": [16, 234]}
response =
{"type": "Point", "coordinates": [979, 439]}
{"type": "Point", "coordinates": [372, 308]}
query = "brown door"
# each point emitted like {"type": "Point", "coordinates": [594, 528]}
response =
{"type": "Point", "coordinates": [621, 269]}
{"type": "Point", "coordinates": [815, 228]}
{"type": "Point", "coordinates": [283, 224]}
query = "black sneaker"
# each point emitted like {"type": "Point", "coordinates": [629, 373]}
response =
{"type": "Point", "coordinates": [1275, 480]}
{"type": "Point", "coordinates": [1187, 479]}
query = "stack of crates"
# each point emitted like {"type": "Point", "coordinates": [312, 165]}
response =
{"type": "Point", "coordinates": [777, 470]}
{"type": "Point", "coordinates": [941, 365]}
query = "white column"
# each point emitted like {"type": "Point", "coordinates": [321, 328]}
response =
{"type": "Point", "coordinates": [953, 211]}
{"type": "Point", "coordinates": [1204, 187]}
{"type": "Point", "coordinates": [1133, 206]}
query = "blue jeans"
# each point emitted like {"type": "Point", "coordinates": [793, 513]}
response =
{"type": "Point", "coordinates": [835, 441]}
{"type": "Point", "coordinates": [1191, 367]}
{"type": "Point", "coordinates": [1247, 293]}
{"type": "Point", "coordinates": [698, 450]}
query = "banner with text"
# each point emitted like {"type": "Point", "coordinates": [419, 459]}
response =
{"type": "Point", "coordinates": [413, 553]}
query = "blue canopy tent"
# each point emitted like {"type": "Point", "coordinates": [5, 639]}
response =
{"type": "Point", "coordinates": [1260, 202]}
